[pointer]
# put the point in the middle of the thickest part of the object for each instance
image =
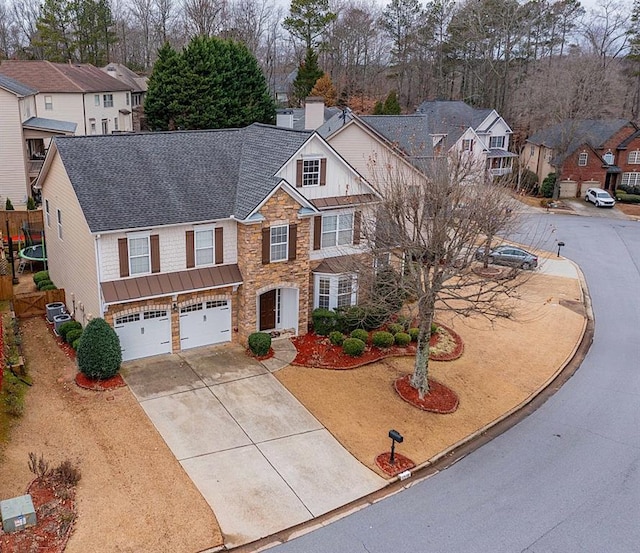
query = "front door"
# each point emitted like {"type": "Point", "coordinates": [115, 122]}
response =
{"type": "Point", "coordinates": [268, 310]}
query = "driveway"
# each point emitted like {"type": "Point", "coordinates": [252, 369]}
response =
{"type": "Point", "coordinates": [586, 208]}
{"type": "Point", "coordinates": [259, 458]}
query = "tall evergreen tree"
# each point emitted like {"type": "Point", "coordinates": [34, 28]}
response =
{"type": "Point", "coordinates": [163, 102]}
{"type": "Point", "coordinates": [308, 74]}
{"type": "Point", "coordinates": [308, 19]}
{"type": "Point", "coordinates": [391, 105]}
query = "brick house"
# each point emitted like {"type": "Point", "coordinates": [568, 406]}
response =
{"type": "Point", "coordinates": [589, 153]}
{"type": "Point", "coordinates": [202, 237]}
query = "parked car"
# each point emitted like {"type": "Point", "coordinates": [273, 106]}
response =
{"type": "Point", "coordinates": [510, 255]}
{"type": "Point", "coordinates": [599, 197]}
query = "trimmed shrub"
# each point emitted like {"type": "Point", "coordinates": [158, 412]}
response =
{"type": "Point", "coordinates": [68, 327]}
{"type": "Point", "coordinates": [99, 353]}
{"type": "Point", "coordinates": [394, 328]}
{"type": "Point", "coordinates": [628, 198]}
{"type": "Point", "coordinates": [259, 343]}
{"type": "Point", "coordinates": [51, 286]}
{"type": "Point", "coordinates": [324, 321]}
{"type": "Point", "coordinates": [402, 338]}
{"type": "Point", "coordinates": [75, 344]}
{"type": "Point", "coordinates": [434, 328]}
{"type": "Point", "coordinates": [353, 347]}
{"type": "Point", "coordinates": [73, 335]}
{"type": "Point", "coordinates": [382, 339]}
{"type": "Point", "coordinates": [548, 184]}
{"type": "Point", "coordinates": [42, 283]}
{"type": "Point", "coordinates": [414, 333]}
{"type": "Point", "coordinates": [40, 275]}
{"type": "Point", "coordinates": [360, 334]}
{"type": "Point", "coordinates": [8, 206]}
{"type": "Point", "coordinates": [31, 204]}
{"type": "Point", "coordinates": [337, 338]}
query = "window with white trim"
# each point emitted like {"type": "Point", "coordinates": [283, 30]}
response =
{"type": "Point", "coordinates": [279, 243]}
{"type": "Point", "coordinates": [334, 291]}
{"type": "Point", "coordinates": [634, 157]}
{"type": "Point", "coordinates": [582, 159]}
{"type": "Point", "coordinates": [467, 143]}
{"type": "Point", "coordinates": [204, 246]}
{"type": "Point", "coordinates": [337, 230]}
{"type": "Point", "coordinates": [496, 142]}
{"type": "Point", "coordinates": [107, 100]}
{"type": "Point", "coordinates": [311, 172]}
{"type": "Point", "coordinates": [608, 158]}
{"type": "Point", "coordinates": [59, 217]}
{"type": "Point", "coordinates": [47, 213]}
{"type": "Point", "coordinates": [48, 103]}
{"type": "Point", "coordinates": [105, 126]}
{"type": "Point", "coordinates": [139, 254]}
{"type": "Point", "coordinates": [92, 123]}
{"type": "Point", "coordinates": [96, 99]}
{"type": "Point", "coordinates": [630, 179]}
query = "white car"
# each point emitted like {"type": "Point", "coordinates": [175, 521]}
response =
{"type": "Point", "coordinates": [599, 197]}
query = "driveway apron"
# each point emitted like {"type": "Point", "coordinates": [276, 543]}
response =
{"type": "Point", "coordinates": [259, 458]}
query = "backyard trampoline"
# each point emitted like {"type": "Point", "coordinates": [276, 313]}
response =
{"type": "Point", "coordinates": [33, 253]}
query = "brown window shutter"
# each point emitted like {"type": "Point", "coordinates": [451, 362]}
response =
{"type": "Point", "coordinates": [317, 232]}
{"type": "Point", "coordinates": [155, 253]}
{"type": "Point", "coordinates": [266, 245]}
{"type": "Point", "coordinates": [191, 249]}
{"type": "Point", "coordinates": [293, 241]}
{"type": "Point", "coordinates": [219, 241]}
{"type": "Point", "coordinates": [323, 171]}
{"type": "Point", "coordinates": [299, 173]}
{"type": "Point", "coordinates": [123, 254]}
{"type": "Point", "coordinates": [357, 226]}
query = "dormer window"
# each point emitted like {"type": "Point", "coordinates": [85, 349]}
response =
{"type": "Point", "coordinates": [608, 158]}
{"type": "Point", "coordinates": [496, 142]}
{"type": "Point", "coordinates": [582, 159]}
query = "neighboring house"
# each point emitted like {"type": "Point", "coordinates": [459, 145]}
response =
{"type": "Point", "coordinates": [313, 115]}
{"type": "Point", "coordinates": [138, 85]}
{"type": "Point", "coordinates": [24, 139]}
{"type": "Point", "coordinates": [202, 237]}
{"type": "Point", "coordinates": [437, 129]}
{"type": "Point", "coordinates": [78, 93]}
{"type": "Point", "coordinates": [588, 153]}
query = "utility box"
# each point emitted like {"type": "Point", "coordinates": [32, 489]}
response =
{"type": "Point", "coordinates": [17, 513]}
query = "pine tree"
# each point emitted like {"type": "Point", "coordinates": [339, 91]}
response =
{"type": "Point", "coordinates": [163, 100]}
{"type": "Point", "coordinates": [308, 19]}
{"type": "Point", "coordinates": [308, 74]}
{"type": "Point", "coordinates": [391, 104]}
{"type": "Point", "coordinates": [55, 30]}
{"type": "Point", "coordinates": [324, 88]}
{"type": "Point", "coordinates": [378, 109]}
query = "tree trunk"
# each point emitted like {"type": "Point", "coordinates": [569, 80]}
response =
{"type": "Point", "coordinates": [419, 379]}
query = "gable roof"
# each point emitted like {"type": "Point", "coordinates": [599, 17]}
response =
{"type": "Point", "coordinates": [15, 87]}
{"type": "Point", "coordinates": [146, 180]}
{"type": "Point", "coordinates": [124, 74]}
{"type": "Point", "coordinates": [452, 118]}
{"type": "Point", "coordinates": [46, 76]}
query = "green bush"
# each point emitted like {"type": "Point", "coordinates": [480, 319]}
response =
{"type": "Point", "coordinates": [68, 327]}
{"type": "Point", "coordinates": [394, 328]}
{"type": "Point", "coordinates": [337, 338]}
{"type": "Point", "coordinates": [548, 184]}
{"type": "Point", "coordinates": [44, 285]}
{"type": "Point", "coordinates": [353, 347]}
{"type": "Point", "coordinates": [40, 275]}
{"type": "Point", "coordinates": [360, 334]}
{"type": "Point", "coordinates": [405, 322]}
{"type": "Point", "coordinates": [382, 339]}
{"type": "Point", "coordinates": [75, 344]}
{"type": "Point", "coordinates": [31, 204]}
{"type": "Point", "coordinates": [259, 343]}
{"type": "Point", "coordinates": [99, 354]}
{"type": "Point", "coordinates": [324, 321]}
{"type": "Point", "coordinates": [73, 335]}
{"type": "Point", "coordinates": [350, 318]}
{"type": "Point", "coordinates": [8, 206]}
{"type": "Point", "coordinates": [414, 333]}
{"type": "Point", "coordinates": [402, 338]}
{"type": "Point", "coordinates": [628, 198]}
{"type": "Point", "coordinates": [434, 328]}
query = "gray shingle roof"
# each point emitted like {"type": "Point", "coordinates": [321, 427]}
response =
{"type": "Point", "coordinates": [148, 180]}
{"type": "Point", "coordinates": [50, 125]}
{"type": "Point", "coordinates": [16, 87]}
{"type": "Point", "coordinates": [452, 117]}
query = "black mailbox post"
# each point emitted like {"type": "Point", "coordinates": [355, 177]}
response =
{"type": "Point", "coordinates": [560, 244]}
{"type": "Point", "coordinates": [395, 437]}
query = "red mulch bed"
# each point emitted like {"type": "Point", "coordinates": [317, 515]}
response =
{"type": "Point", "coordinates": [318, 352]}
{"type": "Point", "coordinates": [439, 399]}
{"type": "Point", "coordinates": [269, 355]}
{"type": "Point", "coordinates": [99, 385]}
{"type": "Point", "coordinates": [401, 463]}
{"type": "Point", "coordinates": [56, 513]}
{"type": "Point", "coordinates": [66, 348]}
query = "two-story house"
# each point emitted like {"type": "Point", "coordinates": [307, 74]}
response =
{"type": "Point", "coordinates": [24, 138]}
{"type": "Point", "coordinates": [587, 153]}
{"type": "Point", "coordinates": [79, 93]}
{"type": "Point", "coordinates": [138, 85]}
{"type": "Point", "coordinates": [202, 237]}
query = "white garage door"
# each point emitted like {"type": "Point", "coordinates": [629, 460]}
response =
{"type": "Point", "coordinates": [205, 323]}
{"type": "Point", "coordinates": [143, 334]}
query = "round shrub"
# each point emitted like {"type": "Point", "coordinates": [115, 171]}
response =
{"type": "Point", "coordinates": [260, 343]}
{"type": "Point", "coordinates": [99, 353]}
{"type": "Point", "coordinates": [360, 334]}
{"type": "Point", "coordinates": [68, 327]}
{"type": "Point", "coordinates": [353, 347]}
{"type": "Point", "coordinates": [394, 328]}
{"type": "Point", "coordinates": [324, 321]}
{"type": "Point", "coordinates": [43, 283]}
{"type": "Point", "coordinates": [40, 275]}
{"type": "Point", "coordinates": [402, 339]}
{"type": "Point", "coordinates": [75, 344]}
{"type": "Point", "coordinates": [382, 339]}
{"type": "Point", "coordinates": [337, 338]}
{"type": "Point", "coordinates": [48, 287]}
{"type": "Point", "coordinates": [73, 335]}
{"type": "Point", "coordinates": [414, 333]}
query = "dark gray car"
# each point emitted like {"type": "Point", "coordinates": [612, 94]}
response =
{"type": "Point", "coordinates": [510, 255]}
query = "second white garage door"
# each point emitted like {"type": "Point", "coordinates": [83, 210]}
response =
{"type": "Point", "coordinates": [144, 333]}
{"type": "Point", "coordinates": [205, 323]}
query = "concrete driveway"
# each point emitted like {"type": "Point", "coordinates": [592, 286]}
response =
{"type": "Point", "coordinates": [581, 207]}
{"type": "Point", "coordinates": [258, 457]}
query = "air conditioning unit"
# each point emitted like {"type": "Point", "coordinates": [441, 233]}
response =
{"type": "Point", "coordinates": [53, 309]}
{"type": "Point", "coordinates": [60, 319]}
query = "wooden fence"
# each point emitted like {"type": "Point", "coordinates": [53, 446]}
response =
{"type": "Point", "coordinates": [33, 304]}
{"type": "Point", "coordinates": [17, 219]}
{"type": "Point", "coordinates": [6, 287]}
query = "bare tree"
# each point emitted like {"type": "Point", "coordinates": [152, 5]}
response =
{"type": "Point", "coordinates": [606, 31]}
{"type": "Point", "coordinates": [203, 17]}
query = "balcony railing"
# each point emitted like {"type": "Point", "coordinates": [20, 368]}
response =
{"type": "Point", "coordinates": [34, 166]}
{"type": "Point", "coordinates": [501, 171]}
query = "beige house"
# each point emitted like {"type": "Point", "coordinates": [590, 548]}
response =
{"type": "Point", "coordinates": [202, 237]}
{"type": "Point", "coordinates": [138, 87]}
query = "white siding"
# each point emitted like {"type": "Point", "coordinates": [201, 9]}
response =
{"type": "Point", "coordinates": [173, 252]}
{"type": "Point", "coordinates": [72, 260]}
{"type": "Point", "coordinates": [27, 108]}
{"type": "Point", "coordinates": [100, 112]}
{"type": "Point", "coordinates": [368, 217]}
{"type": "Point", "coordinates": [14, 182]}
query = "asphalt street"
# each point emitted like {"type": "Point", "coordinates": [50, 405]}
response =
{"type": "Point", "coordinates": [564, 480]}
